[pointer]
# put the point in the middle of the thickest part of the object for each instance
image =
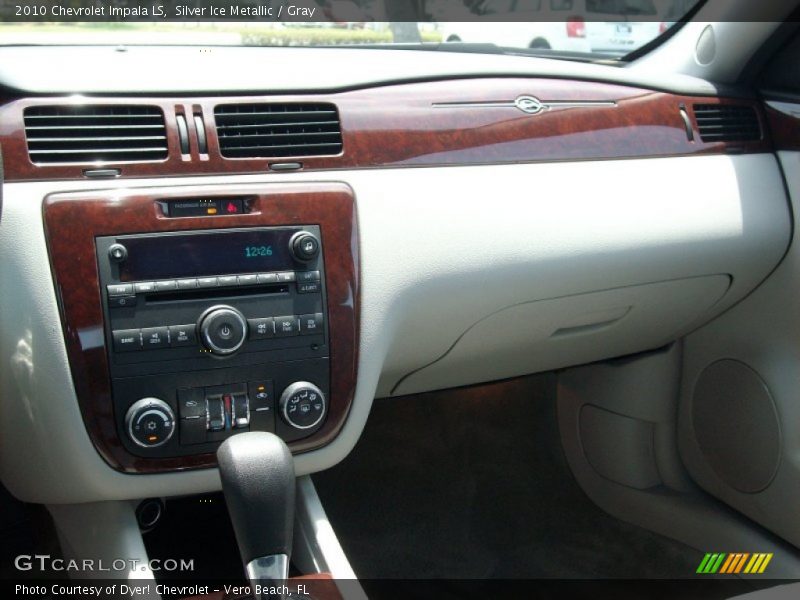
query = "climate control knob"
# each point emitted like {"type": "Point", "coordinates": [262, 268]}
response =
{"type": "Point", "coordinates": [304, 246]}
{"type": "Point", "coordinates": [223, 329]}
{"type": "Point", "coordinates": [302, 405]}
{"type": "Point", "coordinates": [150, 422]}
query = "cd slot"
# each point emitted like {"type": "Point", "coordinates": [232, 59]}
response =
{"type": "Point", "coordinates": [206, 293]}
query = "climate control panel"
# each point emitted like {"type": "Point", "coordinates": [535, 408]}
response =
{"type": "Point", "coordinates": [187, 413]}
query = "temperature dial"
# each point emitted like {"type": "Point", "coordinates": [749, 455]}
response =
{"type": "Point", "coordinates": [150, 422]}
{"type": "Point", "coordinates": [302, 405]}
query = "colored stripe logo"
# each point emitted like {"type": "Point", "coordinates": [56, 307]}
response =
{"type": "Point", "coordinates": [734, 563]}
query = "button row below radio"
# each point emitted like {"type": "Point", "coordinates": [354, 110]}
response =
{"type": "Point", "coordinates": [154, 338]}
{"type": "Point", "coordinates": [291, 325]}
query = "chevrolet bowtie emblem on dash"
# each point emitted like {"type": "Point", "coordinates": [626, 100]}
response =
{"type": "Point", "coordinates": [530, 105]}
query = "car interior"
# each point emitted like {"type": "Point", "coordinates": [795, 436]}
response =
{"type": "Point", "coordinates": [400, 320]}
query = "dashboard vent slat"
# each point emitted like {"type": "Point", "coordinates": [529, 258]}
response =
{"type": "Point", "coordinates": [278, 130]}
{"type": "Point", "coordinates": [93, 133]}
{"type": "Point", "coordinates": [727, 123]}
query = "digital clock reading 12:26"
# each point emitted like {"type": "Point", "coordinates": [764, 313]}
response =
{"type": "Point", "coordinates": [256, 251]}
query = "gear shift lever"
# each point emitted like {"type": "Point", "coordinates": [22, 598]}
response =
{"type": "Point", "coordinates": [258, 481]}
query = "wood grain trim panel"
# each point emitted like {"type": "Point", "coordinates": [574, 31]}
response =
{"type": "Point", "coordinates": [783, 120]}
{"type": "Point", "coordinates": [73, 220]}
{"type": "Point", "coordinates": [399, 125]}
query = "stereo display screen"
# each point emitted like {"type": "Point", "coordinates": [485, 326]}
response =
{"type": "Point", "coordinates": [169, 255]}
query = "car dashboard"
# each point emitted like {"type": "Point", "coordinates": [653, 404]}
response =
{"type": "Point", "coordinates": [187, 259]}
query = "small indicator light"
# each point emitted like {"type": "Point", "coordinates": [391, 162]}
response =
{"type": "Point", "coordinates": [261, 388]}
{"type": "Point", "coordinates": [152, 438]}
{"type": "Point", "coordinates": [211, 211]}
{"type": "Point", "coordinates": [232, 208]}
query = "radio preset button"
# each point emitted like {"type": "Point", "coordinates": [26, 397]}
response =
{"type": "Point", "coordinates": [167, 285]}
{"type": "Point", "coordinates": [227, 280]}
{"type": "Point", "coordinates": [144, 287]}
{"type": "Point", "coordinates": [285, 277]}
{"type": "Point", "coordinates": [267, 278]}
{"type": "Point", "coordinates": [311, 324]}
{"type": "Point", "coordinates": [223, 329]}
{"type": "Point", "coordinates": [286, 326]}
{"type": "Point", "coordinates": [127, 340]}
{"type": "Point", "coordinates": [306, 276]}
{"type": "Point", "coordinates": [312, 287]}
{"type": "Point", "coordinates": [187, 284]}
{"type": "Point", "coordinates": [120, 289]}
{"type": "Point", "coordinates": [182, 335]}
{"type": "Point", "coordinates": [261, 328]}
{"type": "Point", "coordinates": [155, 337]}
{"type": "Point", "coordinates": [206, 282]}
{"type": "Point", "coordinates": [248, 279]}
{"type": "Point", "coordinates": [121, 301]}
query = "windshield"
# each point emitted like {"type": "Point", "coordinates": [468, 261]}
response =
{"type": "Point", "coordinates": [573, 28]}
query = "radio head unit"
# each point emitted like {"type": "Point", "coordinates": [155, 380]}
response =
{"type": "Point", "coordinates": [212, 332]}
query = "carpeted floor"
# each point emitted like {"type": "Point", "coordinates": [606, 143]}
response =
{"type": "Point", "coordinates": [472, 483]}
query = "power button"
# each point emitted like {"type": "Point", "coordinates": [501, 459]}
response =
{"type": "Point", "coordinates": [223, 329]}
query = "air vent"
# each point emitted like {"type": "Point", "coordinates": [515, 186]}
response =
{"type": "Point", "coordinates": [83, 134]}
{"type": "Point", "coordinates": [727, 123]}
{"type": "Point", "coordinates": [277, 130]}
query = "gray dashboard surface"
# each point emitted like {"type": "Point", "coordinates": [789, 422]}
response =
{"type": "Point", "coordinates": [708, 215]}
{"type": "Point", "coordinates": [269, 70]}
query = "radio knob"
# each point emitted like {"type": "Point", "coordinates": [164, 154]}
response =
{"type": "Point", "coordinates": [117, 253]}
{"type": "Point", "coordinates": [223, 330]}
{"type": "Point", "coordinates": [304, 246]}
{"type": "Point", "coordinates": [302, 405]}
{"type": "Point", "coordinates": [150, 422]}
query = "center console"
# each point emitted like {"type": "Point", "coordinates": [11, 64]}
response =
{"type": "Point", "coordinates": [194, 314]}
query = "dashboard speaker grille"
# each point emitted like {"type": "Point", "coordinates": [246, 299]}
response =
{"type": "Point", "coordinates": [80, 134]}
{"type": "Point", "coordinates": [727, 123]}
{"type": "Point", "coordinates": [278, 130]}
{"type": "Point", "coordinates": [736, 425]}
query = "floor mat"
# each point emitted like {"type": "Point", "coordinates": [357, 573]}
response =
{"type": "Point", "coordinates": [472, 483]}
{"type": "Point", "coordinates": [26, 530]}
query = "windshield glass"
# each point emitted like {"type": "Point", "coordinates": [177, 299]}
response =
{"type": "Point", "coordinates": [574, 28]}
